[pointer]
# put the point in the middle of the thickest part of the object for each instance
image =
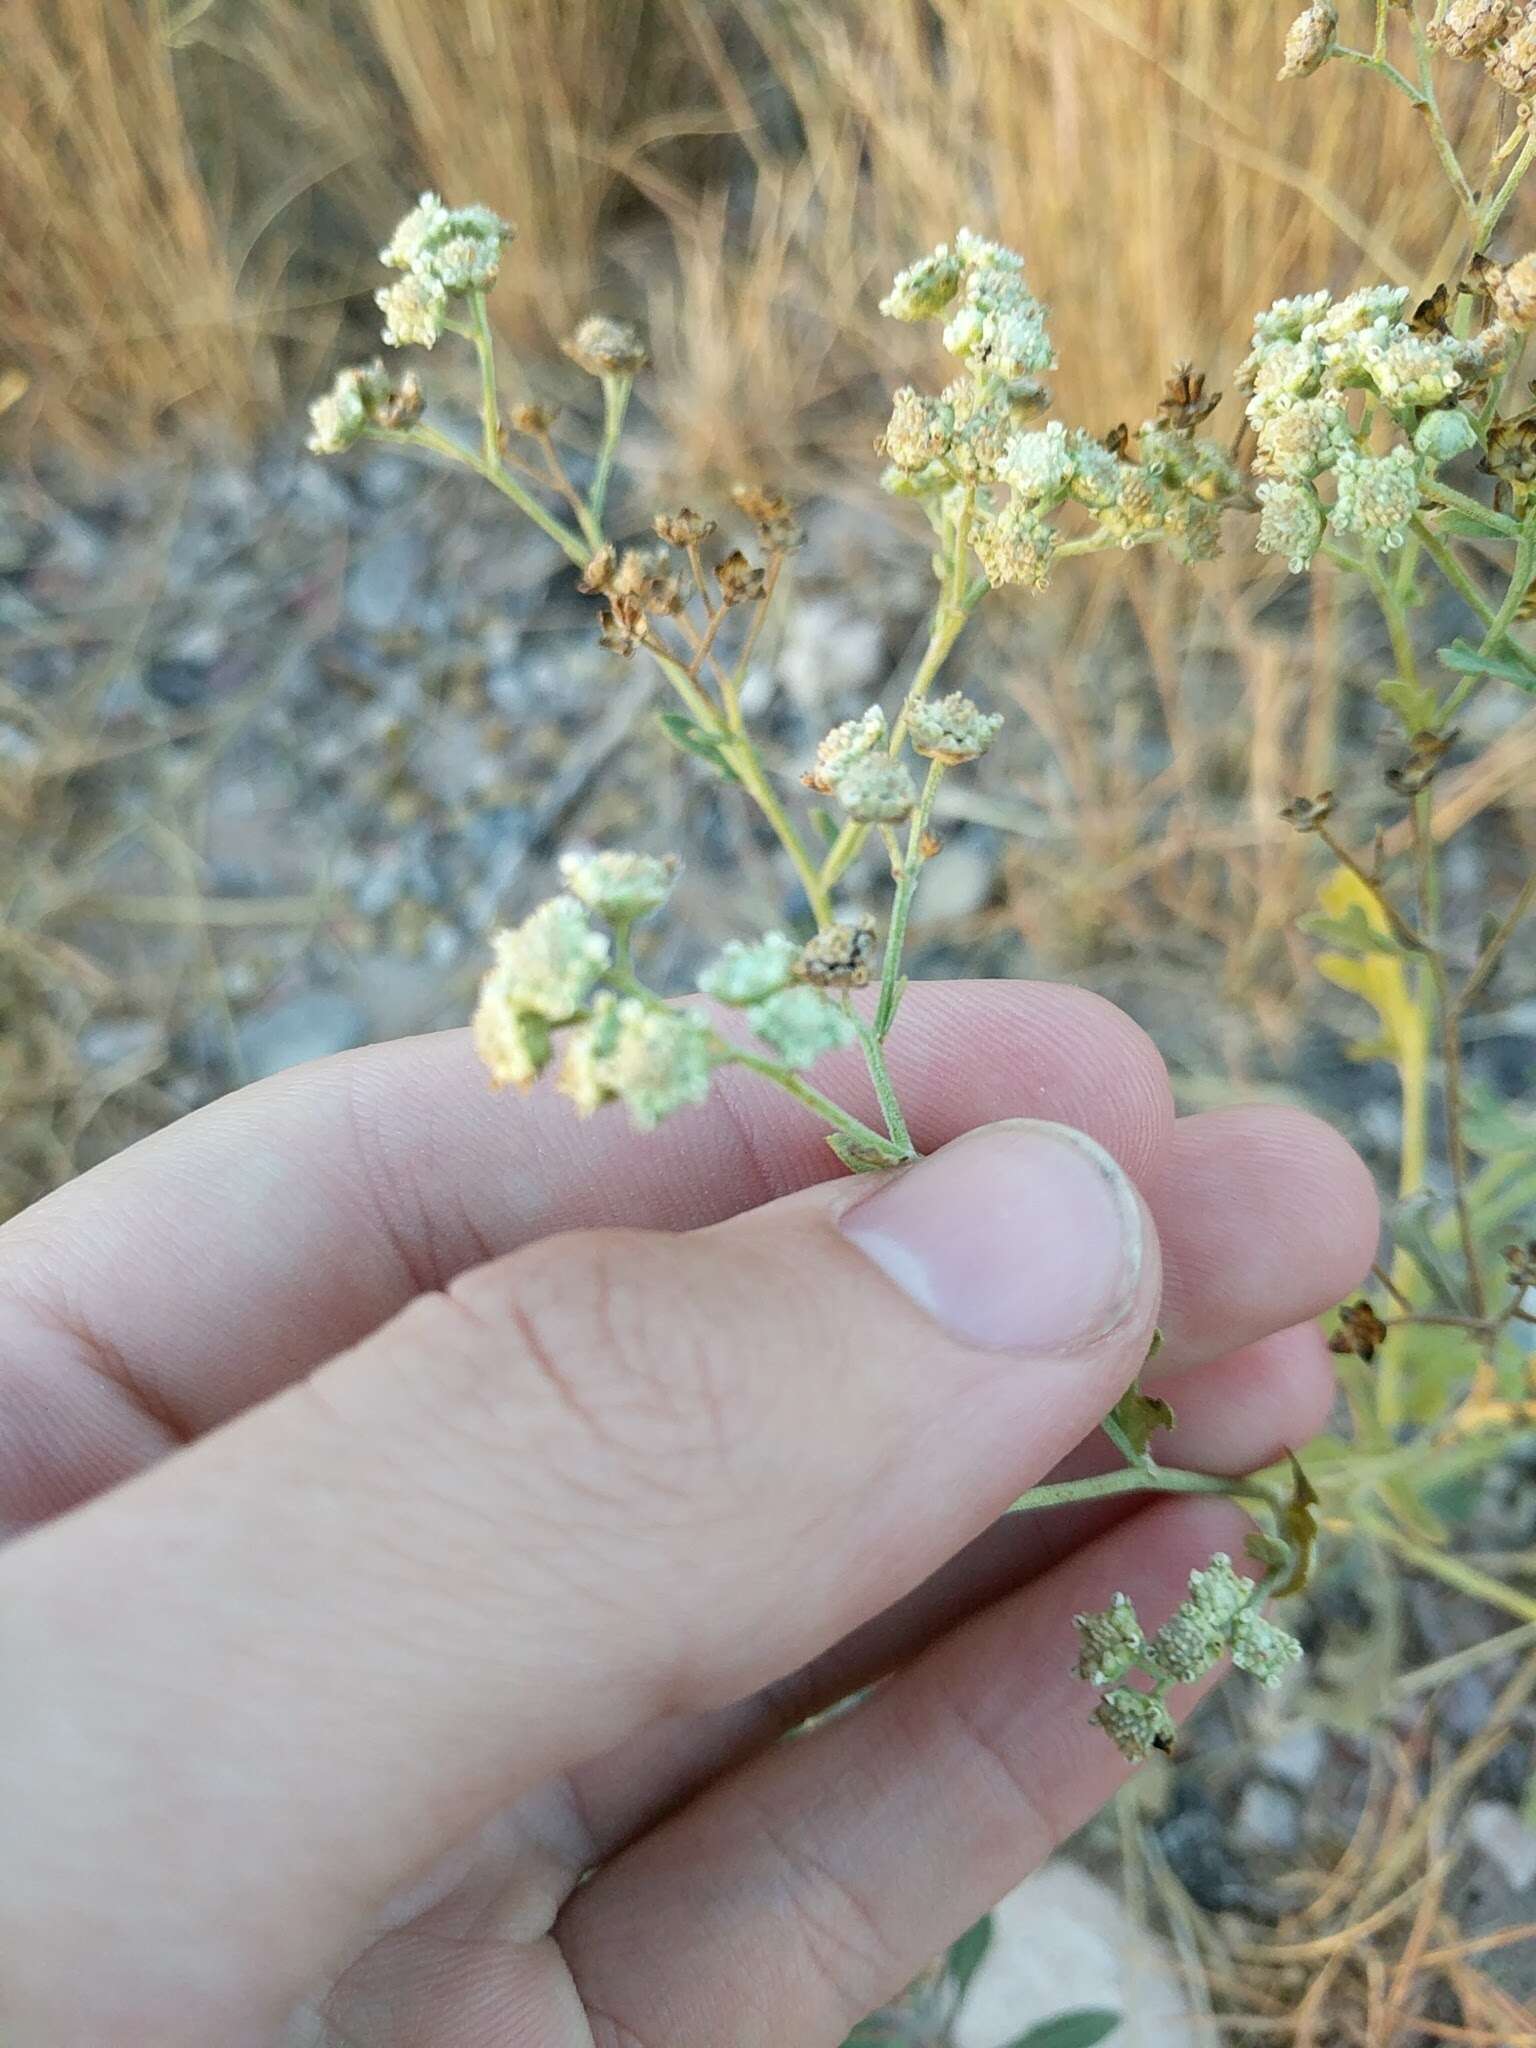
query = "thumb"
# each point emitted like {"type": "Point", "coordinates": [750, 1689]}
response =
{"type": "Point", "coordinates": [611, 1476]}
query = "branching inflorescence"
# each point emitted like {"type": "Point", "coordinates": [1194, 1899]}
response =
{"type": "Point", "coordinates": [1356, 409]}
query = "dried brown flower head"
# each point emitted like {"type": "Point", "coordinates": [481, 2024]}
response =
{"type": "Point", "coordinates": [600, 571]}
{"type": "Point", "coordinates": [1521, 1261]}
{"type": "Point", "coordinates": [1511, 453]}
{"type": "Point", "coordinates": [1468, 27]}
{"type": "Point", "coordinates": [740, 581]}
{"type": "Point", "coordinates": [1419, 766]}
{"type": "Point", "coordinates": [532, 418]}
{"type": "Point", "coordinates": [840, 956]}
{"type": "Point", "coordinates": [1309, 41]}
{"type": "Point", "coordinates": [1185, 402]}
{"type": "Point", "coordinates": [1512, 64]}
{"type": "Point", "coordinates": [1512, 287]}
{"type": "Point", "coordinates": [623, 625]}
{"type": "Point", "coordinates": [1360, 1333]}
{"type": "Point", "coordinates": [1432, 315]}
{"type": "Point", "coordinates": [772, 514]}
{"type": "Point", "coordinates": [1307, 813]}
{"type": "Point", "coordinates": [683, 529]}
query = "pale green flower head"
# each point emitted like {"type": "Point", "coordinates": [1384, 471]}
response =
{"type": "Point", "coordinates": [1299, 441]}
{"type": "Point", "coordinates": [1291, 523]}
{"type": "Point", "coordinates": [457, 247]}
{"type": "Point", "coordinates": [1111, 1642]}
{"type": "Point", "coordinates": [1378, 496]}
{"type": "Point", "coordinates": [1016, 546]}
{"type": "Point", "coordinates": [1262, 1648]}
{"type": "Point", "coordinates": [919, 432]}
{"type": "Point", "coordinates": [514, 1046]}
{"type": "Point", "coordinates": [651, 1059]}
{"type": "Point", "coordinates": [1135, 1722]}
{"type": "Point", "coordinates": [801, 1024]}
{"type": "Point", "coordinates": [1187, 1645]}
{"type": "Point", "coordinates": [1000, 326]}
{"type": "Point", "coordinates": [1217, 1592]}
{"type": "Point", "coordinates": [1413, 370]}
{"type": "Point", "coordinates": [983, 427]}
{"type": "Point", "coordinates": [747, 972]}
{"type": "Point", "coordinates": [550, 963]}
{"type": "Point", "coordinates": [619, 887]}
{"type": "Point", "coordinates": [925, 288]}
{"type": "Point", "coordinates": [1284, 371]}
{"type": "Point", "coordinates": [952, 729]}
{"type": "Point", "coordinates": [1288, 319]}
{"type": "Point", "coordinates": [1442, 436]}
{"type": "Point", "coordinates": [1377, 307]}
{"type": "Point", "coordinates": [1041, 465]}
{"type": "Point", "coordinates": [845, 744]}
{"type": "Point", "coordinates": [414, 310]}
{"type": "Point", "coordinates": [339, 418]}
{"type": "Point", "coordinates": [875, 790]}
{"type": "Point", "coordinates": [1139, 507]}
{"type": "Point", "coordinates": [1096, 471]}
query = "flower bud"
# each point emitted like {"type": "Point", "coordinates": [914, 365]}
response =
{"type": "Point", "coordinates": [840, 956]}
{"type": "Point", "coordinates": [801, 1024]}
{"type": "Point", "coordinates": [1442, 436]}
{"type": "Point", "coordinates": [844, 744]}
{"type": "Point", "coordinates": [746, 973]}
{"type": "Point", "coordinates": [1135, 1722]}
{"type": "Point", "coordinates": [619, 887]}
{"type": "Point", "coordinates": [875, 790]}
{"type": "Point", "coordinates": [1309, 42]}
{"type": "Point", "coordinates": [1111, 1642]}
{"type": "Point", "coordinates": [607, 348]}
{"type": "Point", "coordinates": [1262, 1648]}
{"type": "Point", "coordinates": [952, 729]}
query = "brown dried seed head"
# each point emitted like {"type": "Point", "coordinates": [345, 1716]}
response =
{"type": "Point", "coordinates": [1521, 1261]}
{"type": "Point", "coordinates": [740, 582]}
{"type": "Point", "coordinates": [403, 406]}
{"type": "Point", "coordinates": [623, 626]}
{"type": "Point", "coordinates": [600, 571]}
{"type": "Point", "coordinates": [1359, 1334]}
{"type": "Point", "coordinates": [1513, 63]}
{"type": "Point", "coordinates": [1467, 27]}
{"type": "Point", "coordinates": [1430, 315]}
{"type": "Point", "coordinates": [1419, 766]}
{"type": "Point", "coordinates": [840, 955]}
{"type": "Point", "coordinates": [1307, 813]}
{"type": "Point", "coordinates": [1184, 402]}
{"type": "Point", "coordinates": [530, 418]}
{"type": "Point", "coordinates": [683, 529]}
{"type": "Point", "coordinates": [1513, 290]}
{"type": "Point", "coordinates": [1309, 41]}
{"type": "Point", "coordinates": [1511, 453]}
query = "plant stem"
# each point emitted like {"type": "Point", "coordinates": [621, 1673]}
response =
{"type": "Point", "coordinates": [890, 1107]}
{"type": "Point", "coordinates": [1451, 1084]}
{"type": "Point", "coordinates": [616, 392]}
{"type": "Point", "coordinates": [1141, 1479]}
{"type": "Point", "coordinates": [849, 1126]}
{"type": "Point", "coordinates": [439, 444]}
{"type": "Point", "coordinates": [1493, 952]}
{"type": "Point", "coordinates": [901, 907]}
{"type": "Point", "coordinates": [1458, 501]}
{"type": "Point", "coordinates": [1493, 213]}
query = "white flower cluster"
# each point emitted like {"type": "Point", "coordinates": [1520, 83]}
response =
{"type": "Point", "coordinates": [975, 434]}
{"type": "Point", "coordinates": [444, 251]}
{"type": "Point", "coordinates": [798, 1022]}
{"type": "Point", "coordinates": [1310, 356]}
{"type": "Point", "coordinates": [1219, 1618]}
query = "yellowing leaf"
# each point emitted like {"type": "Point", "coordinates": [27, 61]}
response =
{"type": "Point", "coordinates": [1378, 977]}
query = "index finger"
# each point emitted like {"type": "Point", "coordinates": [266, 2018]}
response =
{"type": "Point", "coordinates": [206, 1268]}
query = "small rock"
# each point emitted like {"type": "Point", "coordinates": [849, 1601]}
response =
{"type": "Point", "coordinates": [123, 1041]}
{"type": "Point", "coordinates": [306, 1027]}
{"type": "Point", "coordinates": [384, 580]}
{"type": "Point", "coordinates": [1508, 1842]}
{"type": "Point", "coordinates": [958, 881]}
{"type": "Point", "coordinates": [1297, 1757]}
{"type": "Point", "coordinates": [1267, 1818]}
{"type": "Point", "coordinates": [1062, 1941]}
{"type": "Point", "coordinates": [178, 683]}
{"type": "Point", "coordinates": [830, 653]}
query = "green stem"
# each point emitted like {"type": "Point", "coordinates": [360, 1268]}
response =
{"type": "Point", "coordinates": [890, 1107]}
{"type": "Point", "coordinates": [1139, 1479]}
{"type": "Point", "coordinates": [490, 405]}
{"type": "Point", "coordinates": [1458, 501]}
{"type": "Point", "coordinates": [616, 392]}
{"type": "Point", "coordinates": [439, 444]}
{"type": "Point", "coordinates": [888, 1153]}
{"type": "Point", "coordinates": [1493, 213]}
{"type": "Point", "coordinates": [901, 908]}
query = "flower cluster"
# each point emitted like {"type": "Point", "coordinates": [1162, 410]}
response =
{"type": "Point", "coordinates": [364, 396]}
{"type": "Point", "coordinates": [1319, 369]}
{"type": "Point", "coordinates": [1220, 1617]}
{"type": "Point", "coordinates": [444, 251]}
{"type": "Point", "coordinates": [975, 439]}
{"type": "Point", "coordinates": [1501, 34]}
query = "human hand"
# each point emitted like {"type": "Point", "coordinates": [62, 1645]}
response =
{"type": "Point", "coordinates": [421, 1500]}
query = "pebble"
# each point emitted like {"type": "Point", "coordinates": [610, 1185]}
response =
{"type": "Point", "coordinates": [1268, 1819]}
{"type": "Point", "coordinates": [959, 880]}
{"type": "Point", "coordinates": [1297, 1756]}
{"type": "Point", "coordinates": [305, 1027]}
{"type": "Point", "coordinates": [384, 580]}
{"type": "Point", "coordinates": [1508, 1842]}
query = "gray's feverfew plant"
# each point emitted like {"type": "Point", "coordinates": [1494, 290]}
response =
{"type": "Point", "coordinates": [1363, 413]}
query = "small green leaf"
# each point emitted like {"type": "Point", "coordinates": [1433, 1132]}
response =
{"type": "Point", "coordinates": [965, 1957]}
{"type": "Point", "coordinates": [693, 739]}
{"type": "Point", "coordinates": [864, 1155]}
{"type": "Point", "coordinates": [1351, 933]}
{"type": "Point", "coordinates": [1415, 703]}
{"type": "Point", "coordinates": [1413, 1231]}
{"type": "Point", "coordinates": [1140, 1416]}
{"type": "Point", "coordinates": [1508, 663]}
{"type": "Point", "coordinates": [1083, 2029]}
{"type": "Point", "coordinates": [1468, 526]}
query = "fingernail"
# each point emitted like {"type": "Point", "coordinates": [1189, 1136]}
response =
{"type": "Point", "coordinates": [1021, 1236]}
